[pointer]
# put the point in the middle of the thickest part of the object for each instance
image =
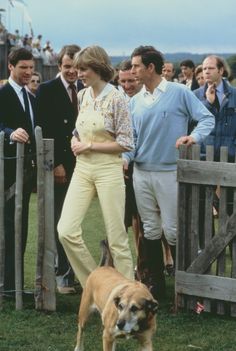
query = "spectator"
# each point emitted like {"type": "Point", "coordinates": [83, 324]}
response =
{"type": "Point", "coordinates": [199, 76]}
{"type": "Point", "coordinates": [57, 103]}
{"type": "Point", "coordinates": [35, 80]}
{"type": "Point", "coordinates": [187, 68]}
{"type": "Point", "coordinates": [130, 87]}
{"type": "Point", "coordinates": [220, 99]}
{"type": "Point", "coordinates": [168, 71]}
{"type": "Point", "coordinates": [17, 121]}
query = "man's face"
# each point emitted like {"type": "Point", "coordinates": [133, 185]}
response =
{"type": "Point", "coordinates": [212, 74]}
{"type": "Point", "coordinates": [67, 69]}
{"type": "Point", "coordinates": [139, 70]}
{"type": "Point", "coordinates": [130, 85]}
{"type": "Point", "coordinates": [187, 72]}
{"type": "Point", "coordinates": [22, 72]}
{"type": "Point", "coordinates": [168, 71]}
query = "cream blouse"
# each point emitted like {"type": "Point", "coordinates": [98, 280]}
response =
{"type": "Point", "coordinates": [117, 119]}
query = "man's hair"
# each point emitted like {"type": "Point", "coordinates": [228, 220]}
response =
{"type": "Point", "coordinates": [69, 50]}
{"type": "Point", "coordinates": [125, 65]}
{"type": "Point", "coordinates": [97, 59]}
{"type": "Point", "coordinates": [19, 54]}
{"type": "Point", "coordinates": [150, 55]}
{"type": "Point", "coordinates": [187, 63]}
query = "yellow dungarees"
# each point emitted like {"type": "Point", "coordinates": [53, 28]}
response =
{"type": "Point", "coordinates": [101, 173]}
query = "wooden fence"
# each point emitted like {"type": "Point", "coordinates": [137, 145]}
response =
{"type": "Point", "coordinates": [206, 254]}
{"type": "Point", "coordinates": [45, 271]}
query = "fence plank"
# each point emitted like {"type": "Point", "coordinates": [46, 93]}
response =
{"type": "Point", "coordinates": [2, 232]}
{"type": "Point", "coordinates": [208, 286]}
{"type": "Point", "coordinates": [49, 283]}
{"type": "Point", "coordinates": [222, 220]}
{"type": "Point", "coordinates": [194, 172]}
{"type": "Point", "coordinates": [214, 248]}
{"type": "Point", "coordinates": [41, 219]}
{"type": "Point", "coordinates": [233, 273]}
{"type": "Point", "coordinates": [181, 229]}
{"type": "Point", "coordinates": [18, 225]}
{"type": "Point", "coordinates": [193, 233]}
{"type": "Point", "coordinates": [45, 273]}
{"type": "Point", "coordinates": [209, 222]}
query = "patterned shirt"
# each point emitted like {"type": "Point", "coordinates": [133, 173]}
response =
{"type": "Point", "coordinates": [117, 119]}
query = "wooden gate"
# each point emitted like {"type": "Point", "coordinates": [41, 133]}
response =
{"type": "Point", "coordinates": [206, 253]}
{"type": "Point", "coordinates": [45, 298]}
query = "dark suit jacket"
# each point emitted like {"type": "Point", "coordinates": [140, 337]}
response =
{"type": "Point", "coordinates": [194, 84]}
{"type": "Point", "coordinates": [56, 116]}
{"type": "Point", "coordinates": [12, 116]}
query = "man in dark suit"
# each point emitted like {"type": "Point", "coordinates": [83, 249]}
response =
{"type": "Point", "coordinates": [187, 68]}
{"type": "Point", "coordinates": [57, 112]}
{"type": "Point", "coordinates": [17, 121]}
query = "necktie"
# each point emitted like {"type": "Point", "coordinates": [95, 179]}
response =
{"type": "Point", "coordinates": [27, 108]}
{"type": "Point", "coordinates": [74, 97]}
{"type": "Point", "coordinates": [216, 102]}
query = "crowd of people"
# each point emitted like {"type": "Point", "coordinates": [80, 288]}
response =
{"type": "Point", "coordinates": [127, 127]}
{"type": "Point", "coordinates": [33, 44]}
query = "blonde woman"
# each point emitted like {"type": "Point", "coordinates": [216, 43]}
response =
{"type": "Point", "coordinates": [103, 132]}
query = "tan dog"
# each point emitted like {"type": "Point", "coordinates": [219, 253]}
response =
{"type": "Point", "coordinates": [127, 309]}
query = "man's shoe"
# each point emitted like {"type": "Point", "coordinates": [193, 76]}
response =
{"type": "Point", "coordinates": [66, 290]}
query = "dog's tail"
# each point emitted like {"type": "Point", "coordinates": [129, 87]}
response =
{"type": "Point", "coordinates": [106, 257]}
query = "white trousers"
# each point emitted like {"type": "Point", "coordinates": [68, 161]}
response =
{"type": "Point", "coordinates": [153, 190]}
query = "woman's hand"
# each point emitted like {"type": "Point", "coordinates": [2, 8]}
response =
{"type": "Point", "coordinates": [79, 147]}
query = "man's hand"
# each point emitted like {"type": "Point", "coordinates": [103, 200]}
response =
{"type": "Point", "coordinates": [125, 167]}
{"type": "Point", "coordinates": [60, 175]}
{"type": "Point", "coordinates": [20, 136]}
{"type": "Point", "coordinates": [185, 140]}
{"type": "Point", "coordinates": [211, 93]}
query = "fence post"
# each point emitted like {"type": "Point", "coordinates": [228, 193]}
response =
{"type": "Point", "coordinates": [2, 232]}
{"type": "Point", "coordinates": [18, 225]}
{"type": "Point", "coordinates": [45, 272]}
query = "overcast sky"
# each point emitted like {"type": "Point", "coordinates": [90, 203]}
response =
{"type": "Point", "coordinates": [196, 26]}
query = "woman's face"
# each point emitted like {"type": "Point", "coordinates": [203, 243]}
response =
{"type": "Point", "coordinates": [88, 77]}
{"type": "Point", "coordinates": [34, 83]}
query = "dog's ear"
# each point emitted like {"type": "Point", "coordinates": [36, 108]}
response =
{"type": "Point", "coordinates": [116, 301]}
{"type": "Point", "coordinates": [151, 306]}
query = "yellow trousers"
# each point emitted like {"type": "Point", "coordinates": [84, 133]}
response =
{"type": "Point", "coordinates": [95, 173]}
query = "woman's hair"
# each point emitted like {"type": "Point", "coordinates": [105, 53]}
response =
{"type": "Point", "coordinates": [96, 58]}
{"type": "Point", "coordinates": [198, 70]}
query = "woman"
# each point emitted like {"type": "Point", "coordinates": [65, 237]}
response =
{"type": "Point", "coordinates": [35, 80]}
{"type": "Point", "coordinates": [104, 131]}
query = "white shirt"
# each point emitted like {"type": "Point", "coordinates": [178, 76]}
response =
{"type": "Point", "coordinates": [18, 90]}
{"type": "Point", "coordinates": [67, 86]}
{"type": "Point", "coordinates": [155, 96]}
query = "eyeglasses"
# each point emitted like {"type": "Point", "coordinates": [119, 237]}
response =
{"type": "Point", "coordinates": [35, 81]}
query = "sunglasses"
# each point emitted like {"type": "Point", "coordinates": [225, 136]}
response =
{"type": "Point", "coordinates": [34, 81]}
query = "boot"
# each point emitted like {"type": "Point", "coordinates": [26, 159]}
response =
{"type": "Point", "coordinates": [155, 279]}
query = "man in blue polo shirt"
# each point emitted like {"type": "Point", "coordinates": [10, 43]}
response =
{"type": "Point", "coordinates": [161, 112]}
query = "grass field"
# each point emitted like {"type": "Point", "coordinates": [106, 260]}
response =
{"type": "Point", "coordinates": [28, 330]}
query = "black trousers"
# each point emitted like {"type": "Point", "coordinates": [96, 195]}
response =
{"type": "Point", "coordinates": [63, 267]}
